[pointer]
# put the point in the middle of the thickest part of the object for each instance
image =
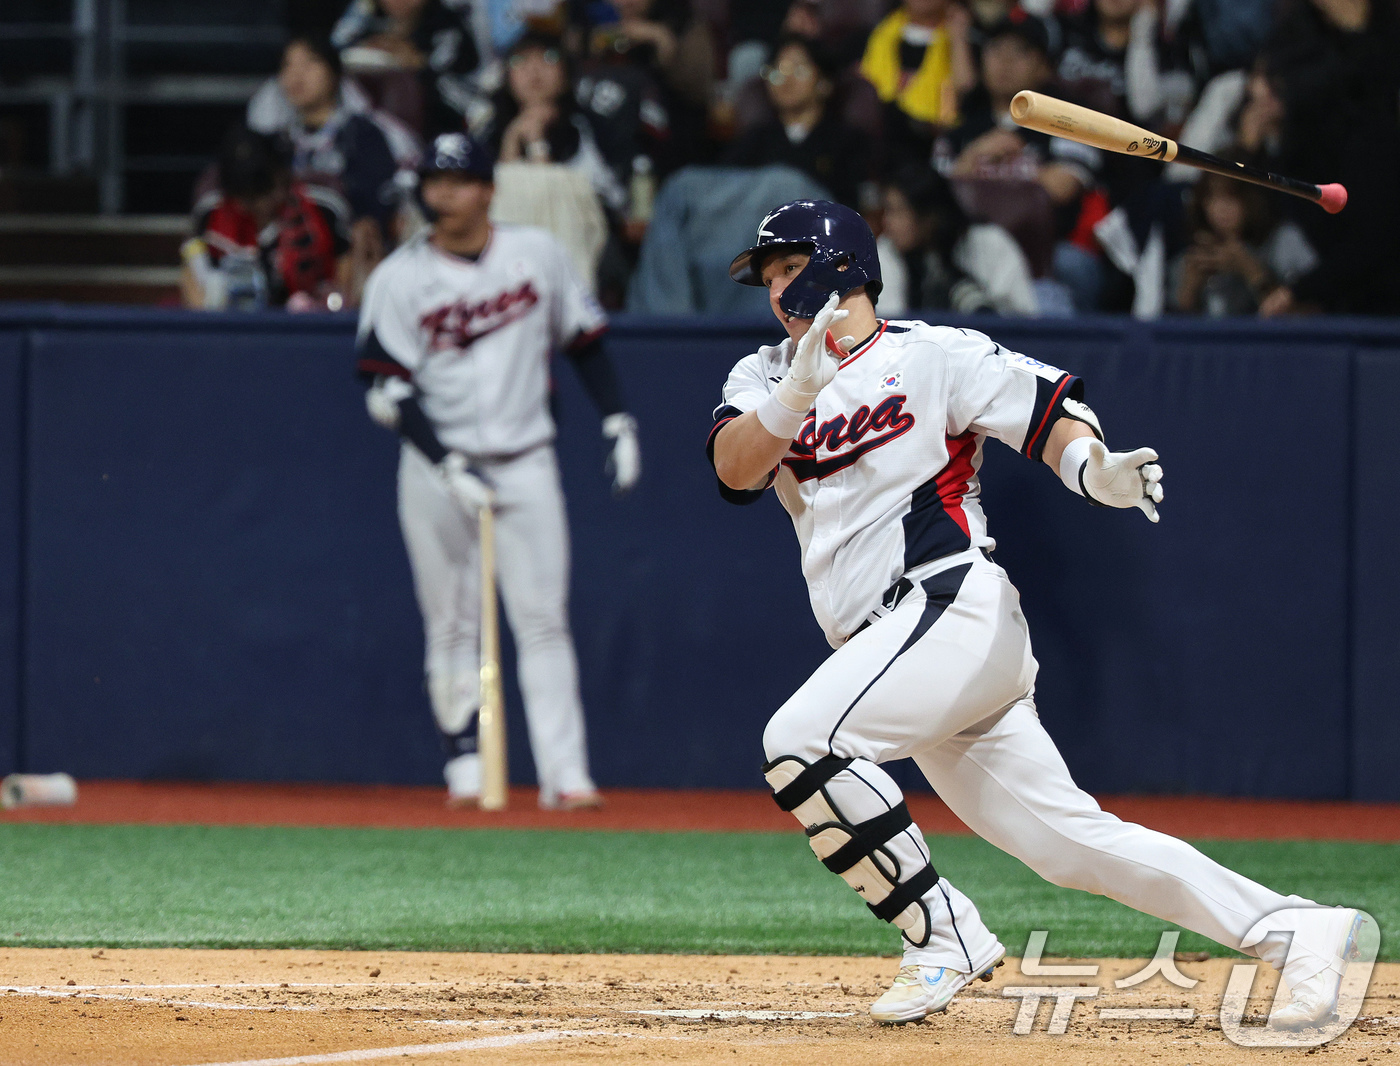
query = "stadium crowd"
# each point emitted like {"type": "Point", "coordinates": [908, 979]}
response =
{"type": "Point", "coordinates": [650, 136]}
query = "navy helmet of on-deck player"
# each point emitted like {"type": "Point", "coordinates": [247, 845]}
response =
{"type": "Point", "coordinates": [841, 246]}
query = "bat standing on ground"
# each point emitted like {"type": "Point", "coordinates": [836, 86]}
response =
{"type": "Point", "coordinates": [1036, 111]}
{"type": "Point", "coordinates": [491, 718]}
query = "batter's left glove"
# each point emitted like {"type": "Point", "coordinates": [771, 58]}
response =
{"type": "Point", "coordinates": [625, 462]}
{"type": "Point", "coordinates": [1122, 479]}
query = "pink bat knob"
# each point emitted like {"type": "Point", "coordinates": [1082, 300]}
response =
{"type": "Point", "coordinates": [1334, 197]}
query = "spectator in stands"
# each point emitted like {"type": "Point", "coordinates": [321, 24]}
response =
{"type": "Point", "coordinates": [674, 50]}
{"type": "Point", "coordinates": [436, 38]}
{"type": "Point", "coordinates": [988, 144]}
{"type": "Point", "coordinates": [266, 240]}
{"type": "Point", "coordinates": [1259, 123]}
{"type": "Point", "coordinates": [335, 146]}
{"type": "Point", "coordinates": [1333, 65]}
{"type": "Point", "coordinates": [920, 62]}
{"type": "Point", "coordinates": [1095, 52]}
{"type": "Point", "coordinates": [1124, 58]}
{"type": "Point", "coordinates": [933, 257]}
{"type": "Point", "coordinates": [536, 119]}
{"type": "Point", "coordinates": [269, 111]}
{"type": "Point", "coordinates": [806, 132]}
{"type": "Point", "coordinates": [631, 123]}
{"type": "Point", "coordinates": [1239, 253]}
{"type": "Point", "coordinates": [754, 30]}
{"type": "Point", "coordinates": [550, 170]}
{"type": "Point", "coordinates": [1233, 30]}
{"type": "Point", "coordinates": [804, 19]}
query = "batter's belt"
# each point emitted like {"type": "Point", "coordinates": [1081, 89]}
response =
{"type": "Point", "coordinates": [894, 595]}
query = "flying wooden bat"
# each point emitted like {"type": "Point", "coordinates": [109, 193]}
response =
{"type": "Point", "coordinates": [1036, 111]}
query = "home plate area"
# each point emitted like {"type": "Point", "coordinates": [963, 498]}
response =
{"type": "Point", "coordinates": [130, 1007]}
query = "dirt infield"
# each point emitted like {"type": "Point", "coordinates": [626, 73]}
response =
{"type": "Point", "coordinates": [661, 810]}
{"type": "Point", "coordinates": [299, 1008]}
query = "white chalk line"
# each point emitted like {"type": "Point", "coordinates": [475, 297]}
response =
{"type": "Point", "coordinates": [481, 1042]}
{"type": "Point", "coordinates": [245, 984]}
{"type": "Point", "coordinates": [70, 993]}
{"type": "Point", "coordinates": [88, 994]}
{"type": "Point", "coordinates": [701, 1014]}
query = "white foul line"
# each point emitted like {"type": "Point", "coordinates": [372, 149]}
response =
{"type": "Point", "coordinates": [410, 1049]}
{"type": "Point", "coordinates": [746, 1015]}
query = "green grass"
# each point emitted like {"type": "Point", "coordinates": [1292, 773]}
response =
{"type": "Point", "coordinates": [496, 890]}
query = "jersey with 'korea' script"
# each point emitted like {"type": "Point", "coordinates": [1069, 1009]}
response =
{"type": "Point", "coordinates": [475, 337]}
{"type": "Point", "coordinates": [882, 477]}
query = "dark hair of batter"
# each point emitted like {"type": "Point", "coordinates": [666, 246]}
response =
{"type": "Point", "coordinates": [250, 163]}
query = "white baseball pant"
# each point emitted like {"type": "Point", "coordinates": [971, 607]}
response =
{"type": "Point", "coordinates": [959, 700]}
{"type": "Point", "coordinates": [532, 568]}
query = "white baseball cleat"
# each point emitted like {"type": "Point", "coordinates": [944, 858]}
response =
{"type": "Point", "coordinates": [919, 991]}
{"type": "Point", "coordinates": [1314, 1001]}
{"type": "Point", "coordinates": [582, 800]}
{"type": "Point", "coordinates": [463, 777]}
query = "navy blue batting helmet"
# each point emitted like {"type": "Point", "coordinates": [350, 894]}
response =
{"type": "Point", "coordinates": [838, 240]}
{"type": "Point", "coordinates": [458, 153]}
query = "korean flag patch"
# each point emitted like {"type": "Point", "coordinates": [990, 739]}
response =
{"type": "Point", "coordinates": [890, 382]}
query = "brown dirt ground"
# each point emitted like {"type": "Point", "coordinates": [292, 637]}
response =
{"type": "Point", "coordinates": [179, 1008]}
{"type": "Point", "coordinates": [734, 810]}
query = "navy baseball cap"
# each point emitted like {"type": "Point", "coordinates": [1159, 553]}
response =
{"type": "Point", "coordinates": [458, 153]}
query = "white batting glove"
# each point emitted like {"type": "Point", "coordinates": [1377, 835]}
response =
{"type": "Point", "coordinates": [814, 364]}
{"type": "Point", "coordinates": [471, 491]}
{"type": "Point", "coordinates": [625, 461]}
{"type": "Point", "coordinates": [1113, 479]}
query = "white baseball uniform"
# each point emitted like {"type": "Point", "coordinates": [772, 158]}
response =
{"type": "Point", "coordinates": [475, 339]}
{"type": "Point", "coordinates": [933, 656]}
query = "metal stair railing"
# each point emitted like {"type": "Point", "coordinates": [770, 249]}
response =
{"type": "Point", "coordinates": [87, 110]}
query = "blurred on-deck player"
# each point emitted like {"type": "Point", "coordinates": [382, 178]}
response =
{"type": "Point", "coordinates": [455, 340]}
{"type": "Point", "coordinates": [873, 444]}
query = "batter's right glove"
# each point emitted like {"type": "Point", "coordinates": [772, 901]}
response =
{"type": "Point", "coordinates": [468, 487]}
{"type": "Point", "coordinates": [814, 363]}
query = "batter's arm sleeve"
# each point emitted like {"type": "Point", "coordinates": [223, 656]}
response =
{"type": "Point", "coordinates": [746, 388]}
{"type": "Point", "coordinates": [1006, 395]}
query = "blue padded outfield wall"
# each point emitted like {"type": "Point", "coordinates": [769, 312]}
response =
{"type": "Point", "coordinates": [201, 573]}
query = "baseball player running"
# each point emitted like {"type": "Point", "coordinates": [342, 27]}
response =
{"type": "Point", "coordinates": [873, 444]}
{"type": "Point", "coordinates": [456, 334]}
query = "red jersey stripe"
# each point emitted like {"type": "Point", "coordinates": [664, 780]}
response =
{"type": "Point", "coordinates": [953, 480]}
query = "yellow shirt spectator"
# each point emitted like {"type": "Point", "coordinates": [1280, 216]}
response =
{"type": "Point", "coordinates": [930, 93]}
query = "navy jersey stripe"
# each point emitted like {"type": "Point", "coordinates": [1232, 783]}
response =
{"type": "Point", "coordinates": [929, 530]}
{"type": "Point", "coordinates": [936, 524]}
